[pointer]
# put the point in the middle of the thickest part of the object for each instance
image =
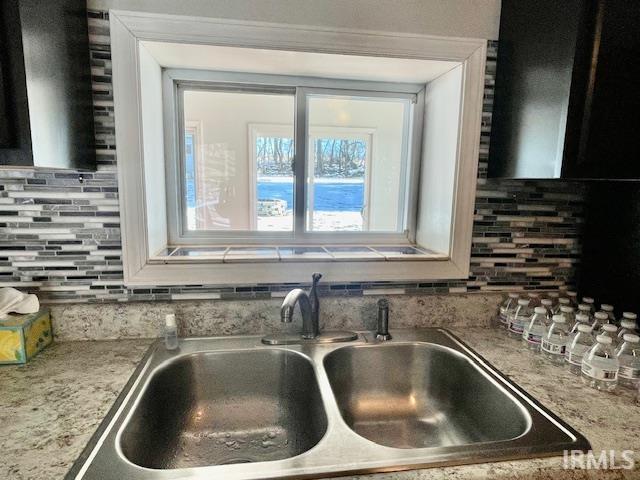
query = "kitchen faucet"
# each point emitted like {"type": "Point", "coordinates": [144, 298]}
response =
{"type": "Point", "coordinates": [310, 309]}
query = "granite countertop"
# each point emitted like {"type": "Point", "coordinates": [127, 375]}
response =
{"type": "Point", "coordinates": [50, 408]}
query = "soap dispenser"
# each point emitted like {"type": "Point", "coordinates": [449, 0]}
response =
{"type": "Point", "coordinates": [170, 332]}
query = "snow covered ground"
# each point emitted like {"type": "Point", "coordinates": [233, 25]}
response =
{"type": "Point", "coordinates": [322, 221]}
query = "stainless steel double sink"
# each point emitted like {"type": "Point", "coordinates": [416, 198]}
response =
{"type": "Point", "coordinates": [233, 408]}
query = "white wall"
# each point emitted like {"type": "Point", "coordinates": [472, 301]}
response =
{"type": "Point", "coordinates": [454, 18]}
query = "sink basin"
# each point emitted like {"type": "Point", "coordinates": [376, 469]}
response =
{"type": "Point", "coordinates": [420, 396]}
{"type": "Point", "coordinates": [236, 409]}
{"type": "Point", "coordinates": [224, 408]}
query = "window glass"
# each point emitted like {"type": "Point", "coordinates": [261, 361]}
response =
{"type": "Point", "coordinates": [357, 174]}
{"type": "Point", "coordinates": [236, 177]}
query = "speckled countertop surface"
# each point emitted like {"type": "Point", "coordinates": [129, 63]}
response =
{"type": "Point", "coordinates": [50, 407]}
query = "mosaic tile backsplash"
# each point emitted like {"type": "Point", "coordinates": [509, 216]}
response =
{"type": "Point", "coordinates": [60, 230]}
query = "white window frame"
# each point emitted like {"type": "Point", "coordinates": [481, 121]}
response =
{"type": "Point", "coordinates": [176, 81]}
{"type": "Point", "coordinates": [448, 227]}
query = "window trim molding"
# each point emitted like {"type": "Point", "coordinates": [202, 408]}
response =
{"type": "Point", "coordinates": [130, 28]}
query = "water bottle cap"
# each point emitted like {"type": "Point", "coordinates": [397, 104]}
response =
{"type": "Point", "coordinates": [523, 301]}
{"type": "Point", "coordinates": [564, 301]}
{"type": "Point", "coordinates": [566, 309]}
{"type": "Point", "coordinates": [571, 293]}
{"type": "Point", "coordinates": [609, 327]}
{"type": "Point", "coordinates": [630, 315]}
{"type": "Point", "coordinates": [584, 307]}
{"type": "Point", "coordinates": [546, 302]}
{"type": "Point", "coordinates": [553, 294]}
{"type": "Point", "coordinates": [604, 339]}
{"type": "Point", "coordinates": [628, 324]}
{"type": "Point", "coordinates": [581, 317]}
{"type": "Point", "coordinates": [631, 338]}
{"type": "Point", "coordinates": [601, 316]}
{"type": "Point", "coordinates": [606, 307]}
{"type": "Point", "coordinates": [559, 318]}
{"type": "Point", "coordinates": [514, 295]}
{"type": "Point", "coordinates": [170, 320]}
{"type": "Point", "coordinates": [583, 327]}
{"type": "Point", "coordinates": [533, 295]}
{"type": "Point", "coordinates": [540, 310]}
{"type": "Point", "coordinates": [588, 300]}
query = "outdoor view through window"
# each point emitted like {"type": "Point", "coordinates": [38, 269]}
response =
{"type": "Point", "coordinates": [238, 162]}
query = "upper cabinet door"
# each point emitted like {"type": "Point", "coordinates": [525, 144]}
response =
{"type": "Point", "coordinates": [46, 107]}
{"type": "Point", "coordinates": [566, 97]}
{"type": "Point", "coordinates": [610, 140]}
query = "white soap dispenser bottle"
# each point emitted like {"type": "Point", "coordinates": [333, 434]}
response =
{"type": "Point", "coordinates": [170, 332]}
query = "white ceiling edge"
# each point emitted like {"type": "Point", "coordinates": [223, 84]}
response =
{"type": "Point", "coordinates": [296, 63]}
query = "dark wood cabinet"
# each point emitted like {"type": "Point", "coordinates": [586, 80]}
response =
{"type": "Point", "coordinates": [567, 90]}
{"type": "Point", "coordinates": [46, 112]}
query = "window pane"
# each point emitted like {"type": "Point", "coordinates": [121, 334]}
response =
{"type": "Point", "coordinates": [238, 175]}
{"type": "Point", "coordinates": [356, 180]}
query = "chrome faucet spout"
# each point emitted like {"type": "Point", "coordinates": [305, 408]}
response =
{"type": "Point", "coordinates": [310, 326]}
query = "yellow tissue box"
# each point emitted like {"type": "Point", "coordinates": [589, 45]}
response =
{"type": "Point", "coordinates": [22, 336]}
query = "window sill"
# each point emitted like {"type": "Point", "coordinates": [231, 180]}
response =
{"type": "Point", "coordinates": [297, 254]}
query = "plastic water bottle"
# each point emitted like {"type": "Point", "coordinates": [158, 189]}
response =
{"type": "Point", "coordinates": [609, 330]}
{"type": "Point", "coordinates": [553, 296]}
{"type": "Point", "coordinates": [562, 301]}
{"type": "Point", "coordinates": [534, 330]}
{"type": "Point", "coordinates": [586, 310]}
{"type": "Point", "coordinates": [534, 299]}
{"type": "Point", "coordinates": [581, 319]}
{"type": "Point", "coordinates": [507, 308]}
{"type": "Point", "coordinates": [568, 313]}
{"type": "Point", "coordinates": [170, 332]}
{"type": "Point", "coordinates": [519, 319]}
{"type": "Point", "coordinates": [554, 341]}
{"type": "Point", "coordinates": [629, 357]}
{"type": "Point", "coordinates": [591, 302]}
{"type": "Point", "coordinates": [609, 310]}
{"type": "Point", "coordinates": [600, 365]}
{"type": "Point", "coordinates": [627, 326]}
{"type": "Point", "coordinates": [547, 303]}
{"type": "Point", "coordinates": [578, 345]}
{"type": "Point", "coordinates": [630, 316]}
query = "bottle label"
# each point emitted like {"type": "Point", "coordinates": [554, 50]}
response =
{"type": "Point", "coordinates": [629, 373]}
{"type": "Point", "coordinates": [574, 355]}
{"type": "Point", "coordinates": [534, 335]}
{"type": "Point", "coordinates": [516, 327]}
{"type": "Point", "coordinates": [552, 347]}
{"type": "Point", "coordinates": [600, 371]}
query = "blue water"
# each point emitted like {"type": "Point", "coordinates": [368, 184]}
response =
{"type": "Point", "coordinates": [328, 197]}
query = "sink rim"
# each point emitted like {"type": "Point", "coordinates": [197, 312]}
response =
{"type": "Point", "coordinates": [101, 460]}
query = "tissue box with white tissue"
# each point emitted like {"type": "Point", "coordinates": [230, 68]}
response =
{"type": "Point", "coordinates": [25, 328]}
{"type": "Point", "coordinates": [23, 336]}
